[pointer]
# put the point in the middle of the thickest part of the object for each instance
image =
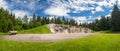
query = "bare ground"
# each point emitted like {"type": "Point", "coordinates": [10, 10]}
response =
{"type": "Point", "coordinates": [44, 37]}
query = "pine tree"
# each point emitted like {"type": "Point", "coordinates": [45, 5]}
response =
{"type": "Point", "coordinates": [115, 19]}
{"type": "Point", "coordinates": [34, 20]}
{"type": "Point", "coordinates": [25, 19]}
{"type": "Point", "coordinates": [38, 20]}
{"type": "Point", "coordinates": [63, 20]}
{"type": "Point", "coordinates": [103, 23]}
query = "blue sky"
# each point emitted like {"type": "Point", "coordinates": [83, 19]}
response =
{"type": "Point", "coordinates": [79, 10]}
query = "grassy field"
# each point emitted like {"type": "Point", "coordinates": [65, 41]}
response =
{"type": "Point", "coordinates": [38, 30]}
{"type": "Point", "coordinates": [3, 33]}
{"type": "Point", "coordinates": [101, 42]}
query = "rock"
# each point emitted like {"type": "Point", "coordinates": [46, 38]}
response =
{"type": "Point", "coordinates": [59, 28]}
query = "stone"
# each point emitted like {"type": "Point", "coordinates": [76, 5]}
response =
{"type": "Point", "coordinates": [59, 28]}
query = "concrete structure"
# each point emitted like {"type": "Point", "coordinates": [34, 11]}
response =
{"type": "Point", "coordinates": [59, 28]}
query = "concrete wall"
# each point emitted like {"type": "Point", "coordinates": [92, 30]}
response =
{"type": "Point", "coordinates": [59, 28]}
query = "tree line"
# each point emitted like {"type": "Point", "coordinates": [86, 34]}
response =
{"type": "Point", "coordinates": [8, 21]}
{"type": "Point", "coordinates": [107, 23]}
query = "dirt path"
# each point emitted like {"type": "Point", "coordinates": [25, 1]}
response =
{"type": "Point", "coordinates": [44, 37]}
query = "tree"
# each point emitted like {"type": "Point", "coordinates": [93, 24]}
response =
{"type": "Point", "coordinates": [115, 19]}
{"type": "Point", "coordinates": [58, 21]}
{"type": "Point", "coordinates": [104, 23]}
{"type": "Point", "coordinates": [8, 21]}
{"type": "Point", "coordinates": [33, 21]}
{"type": "Point", "coordinates": [25, 19]}
{"type": "Point", "coordinates": [100, 25]}
{"type": "Point", "coordinates": [72, 22]}
{"type": "Point", "coordinates": [38, 21]}
{"type": "Point", "coordinates": [63, 20]}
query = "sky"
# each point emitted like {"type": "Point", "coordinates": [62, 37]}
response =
{"type": "Point", "coordinates": [79, 10]}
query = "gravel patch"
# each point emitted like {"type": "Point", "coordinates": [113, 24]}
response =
{"type": "Point", "coordinates": [44, 37]}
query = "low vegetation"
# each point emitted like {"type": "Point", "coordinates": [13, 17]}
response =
{"type": "Point", "coordinates": [38, 30]}
{"type": "Point", "coordinates": [100, 42]}
{"type": "Point", "coordinates": [3, 33]}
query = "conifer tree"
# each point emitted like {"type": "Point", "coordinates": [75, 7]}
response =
{"type": "Point", "coordinates": [115, 19]}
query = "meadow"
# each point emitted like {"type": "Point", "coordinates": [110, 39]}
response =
{"type": "Point", "coordinates": [38, 30]}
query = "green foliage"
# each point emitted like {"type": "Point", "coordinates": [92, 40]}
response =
{"type": "Point", "coordinates": [115, 19]}
{"type": "Point", "coordinates": [72, 22]}
{"type": "Point", "coordinates": [100, 25]}
{"type": "Point", "coordinates": [38, 30]}
{"type": "Point", "coordinates": [103, 42]}
{"type": "Point", "coordinates": [8, 21]}
{"type": "Point", "coordinates": [63, 20]}
{"type": "Point", "coordinates": [25, 19]}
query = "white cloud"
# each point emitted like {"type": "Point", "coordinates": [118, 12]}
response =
{"type": "Point", "coordinates": [51, 17]}
{"type": "Point", "coordinates": [32, 5]}
{"type": "Point", "coordinates": [98, 9]}
{"type": "Point", "coordinates": [108, 15]}
{"type": "Point", "coordinates": [93, 12]}
{"type": "Point", "coordinates": [20, 13]}
{"type": "Point", "coordinates": [3, 4]}
{"type": "Point", "coordinates": [25, 1]}
{"type": "Point", "coordinates": [118, 2]}
{"type": "Point", "coordinates": [104, 3]}
{"type": "Point", "coordinates": [56, 11]}
{"type": "Point", "coordinates": [89, 21]}
{"type": "Point", "coordinates": [79, 19]}
{"type": "Point", "coordinates": [82, 5]}
{"type": "Point", "coordinates": [90, 18]}
{"type": "Point", "coordinates": [98, 18]}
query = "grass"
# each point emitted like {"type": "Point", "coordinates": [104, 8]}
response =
{"type": "Point", "coordinates": [101, 42]}
{"type": "Point", "coordinates": [3, 33]}
{"type": "Point", "coordinates": [38, 30]}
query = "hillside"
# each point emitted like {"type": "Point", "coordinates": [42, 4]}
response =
{"type": "Point", "coordinates": [38, 30]}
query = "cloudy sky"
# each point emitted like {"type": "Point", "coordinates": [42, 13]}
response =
{"type": "Point", "coordinates": [79, 10]}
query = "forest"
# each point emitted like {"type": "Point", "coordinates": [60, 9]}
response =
{"type": "Point", "coordinates": [8, 21]}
